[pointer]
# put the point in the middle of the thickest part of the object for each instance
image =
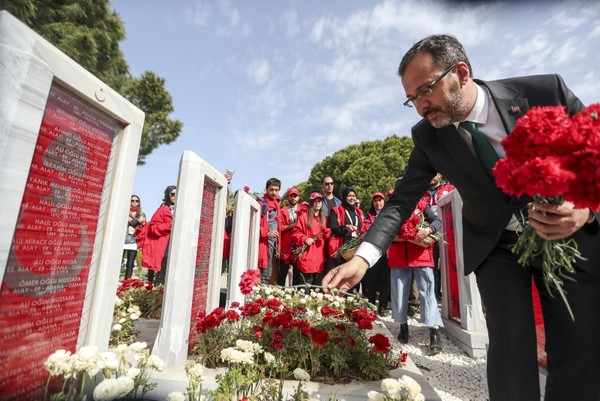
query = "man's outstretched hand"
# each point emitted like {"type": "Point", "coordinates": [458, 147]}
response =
{"type": "Point", "coordinates": [347, 275]}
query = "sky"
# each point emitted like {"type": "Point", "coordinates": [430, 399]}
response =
{"type": "Point", "coordinates": [269, 88]}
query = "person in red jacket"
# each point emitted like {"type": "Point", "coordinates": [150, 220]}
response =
{"type": "Point", "coordinates": [377, 278]}
{"type": "Point", "coordinates": [407, 258]}
{"type": "Point", "coordinates": [155, 249]}
{"type": "Point", "coordinates": [270, 232]}
{"type": "Point", "coordinates": [288, 219]}
{"type": "Point", "coordinates": [311, 232]}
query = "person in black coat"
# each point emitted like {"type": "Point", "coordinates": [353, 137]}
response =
{"type": "Point", "coordinates": [437, 77]}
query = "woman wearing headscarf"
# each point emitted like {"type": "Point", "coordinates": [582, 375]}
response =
{"type": "Point", "coordinates": [346, 222]}
{"type": "Point", "coordinates": [155, 249]}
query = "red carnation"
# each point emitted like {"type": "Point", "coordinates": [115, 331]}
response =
{"type": "Point", "coordinates": [380, 343]}
{"type": "Point", "coordinates": [319, 337]}
{"type": "Point", "coordinates": [248, 280]}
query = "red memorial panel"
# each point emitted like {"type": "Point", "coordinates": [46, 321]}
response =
{"type": "Point", "coordinates": [451, 264]}
{"type": "Point", "coordinates": [205, 236]}
{"type": "Point", "coordinates": [43, 288]}
{"type": "Point", "coordinates": [251, 239]}
{"type": "Point", "coordinates": [539, 326]}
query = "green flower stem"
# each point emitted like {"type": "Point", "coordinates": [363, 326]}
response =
{"type": "Point", "coordinates": [558, 256]}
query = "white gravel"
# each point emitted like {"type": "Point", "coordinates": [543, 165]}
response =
{"type": "Point", "coordinates": [452, 373]}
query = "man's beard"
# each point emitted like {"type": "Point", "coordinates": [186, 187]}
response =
{"type": "Point", "coordinates": [455, 108]}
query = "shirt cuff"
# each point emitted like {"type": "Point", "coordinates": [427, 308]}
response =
{"type": "Point", "coordinates": [369, 252]}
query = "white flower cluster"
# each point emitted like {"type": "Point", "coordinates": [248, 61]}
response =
{"type": "Point", "coordinates": [301, 374]}
{"type": "Point", "coordinates": [124, 369]}
{"type": "Point", "coordinates": [123, 316]}
{"type": "Point", "coordinates": [404, 389]}
{"type": "Point", "coordinates": [111, 389]}
{"type": "Point", "coordinates": [308, 296]}
{"type": "Point", "coordinates": [234, 355]}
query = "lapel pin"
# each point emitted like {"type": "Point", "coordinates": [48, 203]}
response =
{"type": "Point", "coordinates": [515, 110]}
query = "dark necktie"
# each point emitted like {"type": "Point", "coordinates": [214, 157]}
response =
{"type": "Point", "coordinates": [483, 148]}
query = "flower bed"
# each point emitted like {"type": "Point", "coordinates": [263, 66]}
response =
{"type": "Point", "coordinates": [330, 336]}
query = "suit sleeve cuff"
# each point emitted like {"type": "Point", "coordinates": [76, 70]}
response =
{"type": "Point", "coordinates": [369, 252]}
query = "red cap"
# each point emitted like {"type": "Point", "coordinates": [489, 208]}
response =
{"type": "Point", "coordinates": [292, 191]}
{"type": "Point", "coordinates": [316, 195]}
{"type": "Point", "coordinates": [378, 194]}
{"type": "Point", "coordinates": [247, 188]}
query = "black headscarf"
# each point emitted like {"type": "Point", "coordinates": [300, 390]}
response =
{"type": "Point", "coordinates": [345, 193]}
{"type": "Point", "coordinates": [167, 198]}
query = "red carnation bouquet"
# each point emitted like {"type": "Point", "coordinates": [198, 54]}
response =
{"type": "Point", "coordinates": [410, 228]}
{"type": "Point", "coordinates": [325, 233]}
{"type": "Point", "coordinates": [552, 157]}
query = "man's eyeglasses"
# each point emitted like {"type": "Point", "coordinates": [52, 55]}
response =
{"type": "Point", "coordinates": [328, 183]}
{"type": "Point", "coordinates": [427, 90]}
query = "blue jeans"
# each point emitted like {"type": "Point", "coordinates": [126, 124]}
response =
{"type": "Point", "coordinates": [400, 288]}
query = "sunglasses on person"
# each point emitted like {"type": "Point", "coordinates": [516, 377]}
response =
{"type": "Point", "coordinates": [135, 200]}
{"type": "Point", "coordinates": [173, 194]}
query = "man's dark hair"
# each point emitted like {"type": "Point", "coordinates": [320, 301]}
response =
{"type": "Point", "coordinates": [273, 182]}
{"type": "Point", "coordinates": [446, 51]}
{"type": "Point", "coordinates": [326, 176]}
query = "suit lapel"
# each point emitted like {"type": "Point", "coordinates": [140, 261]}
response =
{"type": "Point", "coordinates": [509, 104]}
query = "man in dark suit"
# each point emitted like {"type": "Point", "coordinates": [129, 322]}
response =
{"type": "Point", "coordinates": [437, 77]}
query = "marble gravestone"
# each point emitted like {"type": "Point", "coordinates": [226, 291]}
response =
{"type": "Point", "coordinates": [193, 280]}
{"type": "Point", "coordinates": [68, 151]}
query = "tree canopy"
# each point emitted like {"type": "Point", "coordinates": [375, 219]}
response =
{"type": "Point", "coordinates": [371, 166]}
{"type": "Point", "coordinates": [89, 32]}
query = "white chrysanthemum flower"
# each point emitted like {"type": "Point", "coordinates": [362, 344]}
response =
{"type": "Point", "coordinates": [301, 374]}
{"type": "Point", "coordinates": [138, 346]}
{"type": "Point", "coordinates": [134, 316]}
{"type": "Point", "coordinates": [244, 345]}
{"type": "Point", "coordinates": [419, 397]}
{"type": "Point", "coordinates": [130, 310]}
{"type": "Point", "coordinates": [118, 302]}
{"type": "Point", "coordinates": [375, 396]}
{"type": "Point", "coordinates": [391, 386]}
{"type": "Point", "coordinates": [109, 361]}
{"type": "Point", "coordinates": [117, 327]}
{"type": "Point", "coordinates": [121, 349]}
{"type": "Point", "coordinates": [176, 396]}
{"type": "Point", "coordinates": [59, 363]}
{"type": "Point", "coordinates": [133, 372]}
{"type": "Point", "coordinates": [122, 320]}
{"type": "Point", "coordinates": [319, 296]}
{"type": "Point", "coordinates": [125, 385]}
{"type": "Point", "coordinates": [195, 371]}
{"type": "Point", "coordinates": [411, 386]}
{"type": "Point", "coordinates": [268, 291]}
{"type": "Point", "coordinates": [303, 301]}
{"type": "Point", "coordinates": [88, 352]}
{"type": "Point", "coordinates": [233, 355]}
{"type": "Point", "coordinates": [107, 390]}
{"type": "Point", "coordinates": [269, 358]}
{"type": "Point", "coordinates": [156, 363]}
{"type": "Point", "coordinates": [270, 296]}
{"type": "Point", "coordinates": [336, 304]}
